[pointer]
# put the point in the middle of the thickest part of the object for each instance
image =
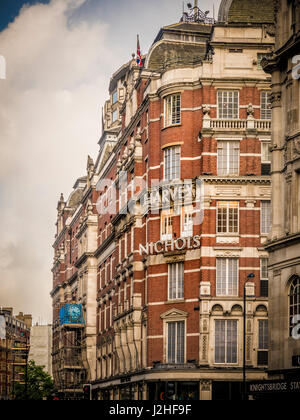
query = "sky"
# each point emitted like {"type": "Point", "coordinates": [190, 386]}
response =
{"type": "Point", "coordinates": [59, 56]}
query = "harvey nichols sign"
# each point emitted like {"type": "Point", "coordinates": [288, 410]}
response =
{"type": "Point", "coordinates": [179, 193]}
{"type": "Point", "coordinates": [179, 244]}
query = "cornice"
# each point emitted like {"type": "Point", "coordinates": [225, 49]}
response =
{"type": "Point", "coordinates": [83, 258]}
{"type": "Point", "coordinates": [104, 245]}
{"type": "Point", "coordinates": [283, 242]}
{"type": "Point", "coordinates": [238, 180]}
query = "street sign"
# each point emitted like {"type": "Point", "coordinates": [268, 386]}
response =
{"type": "Point", "coordinates": [273, 387]}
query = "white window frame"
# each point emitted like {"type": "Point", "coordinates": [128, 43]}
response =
{"type": "Point", "coordinates": [172, 163]}
{"type": "Point", "coordinates": [187, 223]}
{"type": "Point", "coordinates": [265, 105]}
{"type": "Point", "coordinates": [264, 337]}
{"type": "Point", "coordinates": [265, 152]}
{"type": "Point", "coordinates": [264, 268]}
{"type": "Point", "coordinates": [230, 206]}
{"type": "Point", "coordinates": [114, 97]}
{"type": "Point", "coordinates": [232, 162]}
{"type": "Point", "coordinates": [176, 281]}
{"type": "Point", "coordinates": [115, 116]}
{"type": "Point", "coordinates": [226, 322]}
{"type": "Point", "coordinates": [223, 284]}
{"type": "Point", "coordinates": [172, 113]}
{"type": "Point", "coordinates": [265, 218]}
{"type": "Point", "coordinates": [166, 227]}
{"type": "Point", "coordinates": [182, 321]}
{"type": "Point", "coordinates": [224, 99]}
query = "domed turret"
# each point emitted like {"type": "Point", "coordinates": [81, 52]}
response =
{"type": "Point", "coordinates": [247, 11]}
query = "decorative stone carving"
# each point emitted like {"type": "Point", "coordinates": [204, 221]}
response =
{"type": "Point", "coordinates": [297, 146]}
{"type": "Point", "coordinates": [250, 110]}
{"type": "Point", "coordinates": [205, 289]}
{"type": "Point", "coordinates": [206, 110]}
{"type": "Point", "coordinates": [276, 98]}
{"type": "Point", "coordinates": [205, 385]}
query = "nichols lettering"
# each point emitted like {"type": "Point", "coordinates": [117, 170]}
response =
{"type": "Point", "coordinates": [170, 245]}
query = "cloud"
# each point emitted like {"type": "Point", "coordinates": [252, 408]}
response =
{"type": "Point", "coordinates": [59, 58]}
{"type": "Point", "coordinates": [57, 77]}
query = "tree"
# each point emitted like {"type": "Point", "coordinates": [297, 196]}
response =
{"type": "Point", "coordinates": [39, 384]}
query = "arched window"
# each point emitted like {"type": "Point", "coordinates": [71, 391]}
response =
{"type": "Point", "coordinates": [294, 301]}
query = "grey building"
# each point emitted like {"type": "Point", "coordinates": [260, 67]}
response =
{"type": "Point", "coordinates": [40, 346]}
{"type": "Point", "coordinates": [284, 241]}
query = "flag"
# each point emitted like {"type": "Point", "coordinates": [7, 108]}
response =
{"type": "Point", "coordinates": [139, 60]}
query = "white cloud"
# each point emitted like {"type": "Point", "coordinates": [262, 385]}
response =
{"type": "Point", "coordinates": [50, 116]}
{"type": "Point", "coordinates": [59, 59]}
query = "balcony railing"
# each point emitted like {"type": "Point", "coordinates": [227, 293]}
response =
{"type": "Point", "coordinates": [236, 124]}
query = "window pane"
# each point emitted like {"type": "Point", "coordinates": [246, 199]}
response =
{"type": "Point", "coordinates": [265, 217]}
{"type": "Point", "coordinates": [231, 342]}
{"type": "Point", "coordinates": [172, 163]}
{"type": "Point", "coordinates": [227, 215]}
{"type": "Point", "coordinates": [228, 104]}
{"type": "Point", "coordinates": [294, 301]}
{"type": "Point", "coordinates": [265, 152]}
{"type": "Point", "coordinates": [220, 341]}
{"type": "Point", "coordinates": [263, 337]}
{"type": "Point", "coordinates": [173, 110]}
{"type": "Point", "coordinates": [171, 342]}
{"type": "Point", "coordinates": [227, 277]}
{"type": "Point", "coordinates": [176, 342]}
{"type": "Point", "coordinates": [265, 106]}
{"type": "Point", "coordinates": [176, 281]}
{"type": "Point", "coordinates": [114, 116]}
{"type": "Point", "coordinates": [228, 157]}
{"type": "Point", "coordinates": [264, 268]}
{"type": "Point", "coordinates": [114, 97]}
{"type": "Point", "coordinates": [180, 342]}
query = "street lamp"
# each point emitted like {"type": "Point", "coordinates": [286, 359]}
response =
{"type": "Point", "coordinates": [250, 276]}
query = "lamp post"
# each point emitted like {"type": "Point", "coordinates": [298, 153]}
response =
{"type": "Point", "coordinates": [250, 276]}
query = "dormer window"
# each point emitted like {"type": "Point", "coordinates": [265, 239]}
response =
{"type": "Point", "coordinates": [115, 116]}
{"type": "Point", "coordinates": [115, 97]}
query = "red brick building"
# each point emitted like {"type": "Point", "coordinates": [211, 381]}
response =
{"type": "Point", "coordinates": [14, 349]}
{"type": "Point", "coordinates": [168, 228]}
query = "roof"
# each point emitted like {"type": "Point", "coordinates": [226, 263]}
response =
{"type": "Point", "coordinates": [170, 48]}
{"type": "Point", "coordinates": [171, 54]}
{"type": "Point", "coordinates": [247, 11]}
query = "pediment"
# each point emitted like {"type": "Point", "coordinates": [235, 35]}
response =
{"type": "Point", "coordinates": [174, 314]}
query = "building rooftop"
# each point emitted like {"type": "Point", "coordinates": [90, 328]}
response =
{"type": "Point", "coordinates": [247, 11]}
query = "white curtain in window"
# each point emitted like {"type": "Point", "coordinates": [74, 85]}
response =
{"type": "Point", "coordinates": [227, 277]}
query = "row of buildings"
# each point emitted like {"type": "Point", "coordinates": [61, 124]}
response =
{"type": "Point", "coordinates": [160, 274]}
{"type": "Point", "coordinates": [14, 347]}
{"type": "Point", "coordinates": [21, 342]}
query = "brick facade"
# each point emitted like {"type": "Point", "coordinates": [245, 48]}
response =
{"type": "Point", "coordinates": [147, 328]}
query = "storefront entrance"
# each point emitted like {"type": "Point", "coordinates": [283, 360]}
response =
{"type": "Point", "coordinates": [172, 390]}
